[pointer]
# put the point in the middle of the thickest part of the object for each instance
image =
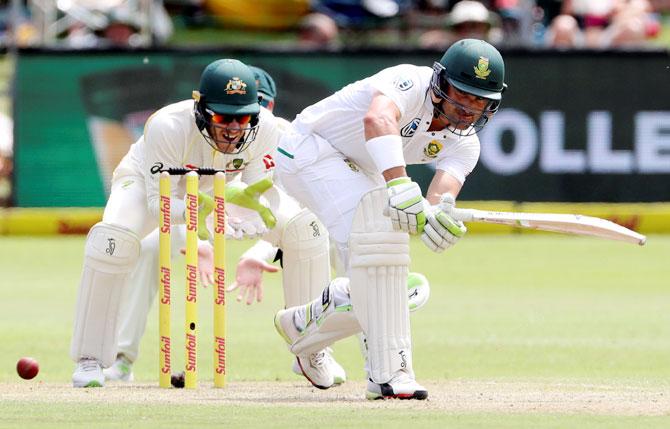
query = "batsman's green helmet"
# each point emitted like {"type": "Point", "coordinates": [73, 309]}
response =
{"type": "Point", "coordinates": [475, 67]}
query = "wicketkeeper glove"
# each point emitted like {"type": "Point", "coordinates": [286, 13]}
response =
{"type": "Point", "coordinates": [406, 205]}
{"type": "Point", "coordinates": [240, 194]}
{"type": "Point", "coordinates": [205, 207]}
{"type": "Point", "coordinates": [442, 231]}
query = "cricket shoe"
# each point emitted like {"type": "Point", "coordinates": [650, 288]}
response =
{"type": "Point", "coordinates": [121, 370]}
{"type": "Point", "coordinates": [88, 374]}
{"type": "Point", "coordinates": [401, 386]}
{"type": "Point", "coordinates": [314, 367]}
{"type": "Point", "coordinates": [339, 374]}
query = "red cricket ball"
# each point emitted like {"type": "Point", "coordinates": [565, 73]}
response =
{"type": "Point", "coordinates": [27, 368]}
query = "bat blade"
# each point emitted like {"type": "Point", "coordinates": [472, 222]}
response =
{"type": "Point", "coordinates": [563, 223]}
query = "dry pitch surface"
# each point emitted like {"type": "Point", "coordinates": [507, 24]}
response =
{"type": "Point", "coordinates": [449, 397]}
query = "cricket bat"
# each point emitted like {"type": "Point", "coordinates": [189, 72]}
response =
{"type": "Point", "coordinates": [564, 223]}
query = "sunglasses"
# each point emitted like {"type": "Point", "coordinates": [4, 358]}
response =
{"type": "Point", "coordinates": [226, 119]}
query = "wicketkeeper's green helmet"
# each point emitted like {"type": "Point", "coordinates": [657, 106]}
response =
{"type": "Point", "coordinates": [474, 67]}
{"type": "Point", "coordinates": [227, 90]}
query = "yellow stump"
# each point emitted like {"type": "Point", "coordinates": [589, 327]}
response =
{"type": "Point", "coordinates": [191, 371]}
{"type": "Point", "coordinates": [164, 268]}
{"type": "Point", "coordinates": [219, 281]}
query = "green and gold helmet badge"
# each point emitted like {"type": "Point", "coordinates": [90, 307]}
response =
{"type": "Point", "coordinates": [236, 86]}
{"type": "Point", "coordinates": [482, 69]}
{"type": "Point", "coordinates": [432, 149]}
{"type": "Point", "coordinates": [237, 163]}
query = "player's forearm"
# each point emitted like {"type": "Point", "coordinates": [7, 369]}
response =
{"type": "Point", "coordinates": [442, 183]}
{"type": "Point", "coordinates": [261, 250]}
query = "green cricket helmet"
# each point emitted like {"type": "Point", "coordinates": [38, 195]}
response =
{"type": "Point", "coordinates": [473, 67]}
{"type": "Point", "coordinates": [267, 90]}
{"type": "Point", "coordinates": [227, 101]}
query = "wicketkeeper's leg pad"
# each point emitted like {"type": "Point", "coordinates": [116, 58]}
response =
{"type": "Point", "coordinates": [305, 258]}
{"type": "Point", "coordinates": [378, 268]}
{"type": "Point", "coordinates": [110, 255]}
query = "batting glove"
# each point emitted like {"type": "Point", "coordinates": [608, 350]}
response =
{"type": "Point", "coordinates": [441, 230]}
{"type": "Point", "coordinates": [406, 207]}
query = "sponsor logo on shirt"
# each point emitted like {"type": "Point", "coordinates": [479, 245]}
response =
{"type": "Point", "coordinates": [432, 149]}
{"type": "Point", "coordinates": [269, 162]}
{"type": "Point", "coordinates": [409, 129]}
{"type": "Point", "coordinates": [402, 83]}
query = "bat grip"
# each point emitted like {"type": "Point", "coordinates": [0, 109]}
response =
{"type": "Point", "coordinates": [464, 215]}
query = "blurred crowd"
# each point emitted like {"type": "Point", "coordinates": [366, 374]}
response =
{"type": "Point", "coordinates": [431, 24]}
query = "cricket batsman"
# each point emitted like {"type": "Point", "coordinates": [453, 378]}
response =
{"type": "Point", "coordinates": [347, 165]}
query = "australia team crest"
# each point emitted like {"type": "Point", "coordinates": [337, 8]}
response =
{"type": "Point", "coordinates": [236, 86]}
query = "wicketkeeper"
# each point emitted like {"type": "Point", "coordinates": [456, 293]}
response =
{"type": "Point", "coordinates": [300, 235]}
{"type": "Point", "coordinates": [241, 138]}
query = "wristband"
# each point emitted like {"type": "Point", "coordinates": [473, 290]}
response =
{"type": "Point", "coordinates": [386, 152]}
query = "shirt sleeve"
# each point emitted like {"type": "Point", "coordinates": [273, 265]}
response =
{"type": "Point", "coordinates": [461, 158]}
{"type": "Point", "coordinates": [403, 85]}
{"type": "Point", "coordinates": [163, 143]}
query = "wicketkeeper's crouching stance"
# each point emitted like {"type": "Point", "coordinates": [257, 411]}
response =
{"type": "Point", "coordinates": [223, 127]}
{"type": "Point", "coordinates": [348, 147]}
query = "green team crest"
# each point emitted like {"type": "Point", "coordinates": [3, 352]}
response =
{"type": "Point", "coordinates": [482, 69]}
{"type": "Point", "coordinates": [432, 149]}
{"type": "Point", "coordinates": [237, 163]}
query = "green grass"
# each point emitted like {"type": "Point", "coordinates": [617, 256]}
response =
{"type": "Point", "coordinates": [76, 415]}
{"type": "Point", "coordinates": [536, 308]}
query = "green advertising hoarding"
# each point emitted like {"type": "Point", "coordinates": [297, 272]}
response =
{"type": "Point", "coordinates": [573, 127]}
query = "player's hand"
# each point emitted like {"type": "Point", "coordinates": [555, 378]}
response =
{"type": "Point", "coordinates": [249, 279]}
{"type": "Point", "coordinates": [243, 223]}
{"type": "Point", "coordinates": [205, 263]}
{"type": "Point", "coordinates": [406, 207]}
{"type": "Point", "coordinates": [205, 207]}
{"type": "Point", "coordinates": [442, 231]}
{"type": "Point", "coordinates": [240, 194]}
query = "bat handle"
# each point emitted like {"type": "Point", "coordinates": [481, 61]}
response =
{"type": "Point", "coordinates": [464, 215]}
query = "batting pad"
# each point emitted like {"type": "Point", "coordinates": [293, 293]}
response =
{"type": "Point", "coordinates": [335, 320]}
{"type": "Point", "coordinates": [109, 256]}
{"type": "Point", "coordinates": [305, 259]}
{"type": "Point", "coordinates": [379, 261]}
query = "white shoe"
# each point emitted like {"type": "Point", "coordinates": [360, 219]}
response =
{"type": "Point", "coordinates": [88, 374]}
{"type": "Point", "coordinates": [316, 369]}
{"type": "Point", "coordinates": [401, 386]}
{"type": "Point", "coordinates": [121, 370]}
{"type": "Point", "coordinates": [339, 374]}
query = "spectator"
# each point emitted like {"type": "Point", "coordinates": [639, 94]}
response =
{"type": "Point", "coordinates": [100, 23]}
{"type": "Point", "coordinates": [467, 20]}
{"type": "Point", "coordinates": [603, 24]}
{"type": "Point", "coordinates": [317, 30]}
{"type": "Point", "coordinates": [521, 22]}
